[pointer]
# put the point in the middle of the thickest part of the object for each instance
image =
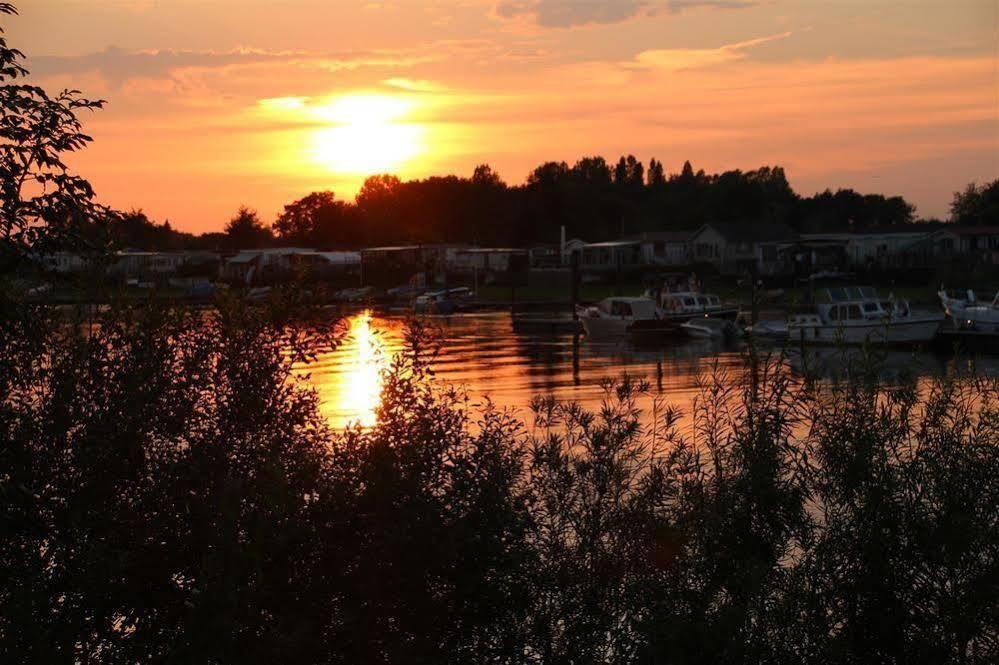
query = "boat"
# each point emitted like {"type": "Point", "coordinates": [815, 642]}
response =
{"type": "Point", "coordinates": [681, 306]}
{"type": "Point", "coordinates": [707, 327]}
{"type": "Point", "coordinates": [775, 331]}
{"type": "Point", "coordinates": [857, 315]}
{"type": "Point", "coordinates": [446, 301]}
{"type": "Point", "coordinates": [970, 320]}
{"type": "Point", "coordinates": [970, 315]}
{"type": "Point", "coordinates": [622, 317]}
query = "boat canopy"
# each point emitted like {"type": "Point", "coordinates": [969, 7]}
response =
{"type": "Point", "coordinates": [848, 293]}
{"type": "Point", "coordinates": [639, 308]}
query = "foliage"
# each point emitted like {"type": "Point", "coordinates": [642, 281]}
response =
{"type": "Point", "coordinates": [318, 220]}
{"type": "Point", "coordinates": [41, 202]}
{"type": "Point", "coordinates": [171, 491]}
{"type": "Point", "coordinates": [977, 205]}
{"type": "Point", "coordinates": [246, 231]}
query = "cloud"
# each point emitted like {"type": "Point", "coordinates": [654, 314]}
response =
{"type": "Point", "coordinates": [684, 58]}
{"type": "Point", "coordinates": [117, 65]}
{"type": "Point", "coordinates": [569, 13]}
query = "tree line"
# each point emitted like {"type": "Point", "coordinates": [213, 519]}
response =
{"type": "Point", "coordinates": [591, 199]}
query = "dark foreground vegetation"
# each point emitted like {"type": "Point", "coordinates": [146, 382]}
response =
{"type": "Point", "coordinates": [170, 492]}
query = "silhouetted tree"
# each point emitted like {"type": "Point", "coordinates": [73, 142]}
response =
{"type": "Point", "coordinates": [977, 205]}
{"type": "Point", "coordinates": [656, 177]}
{"type": "Point", "coordinates": [319, 220]}
{"type": "Point", "coordinates": [42, 203]}
{"type": "Point", "coordinates": [246, 231]}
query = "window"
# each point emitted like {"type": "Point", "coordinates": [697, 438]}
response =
{"type": "Point", "coordinates": [834, 313]}
{"type": "Point", "coordinates": [854, 312]}
{"type": "Point", "coordinates": [870, 307]}
{"type": "Point", "coordinates": [619, 308]}
{"type": "Point", "coordinates": [837, 294]}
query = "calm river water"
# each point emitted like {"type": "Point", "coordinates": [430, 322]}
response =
{"type": "Point", "coordinates": [483, 353]}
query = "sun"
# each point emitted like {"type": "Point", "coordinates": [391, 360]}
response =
{"type": "Point", "coordinates": [366, 134]}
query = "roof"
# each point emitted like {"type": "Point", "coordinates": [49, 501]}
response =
{"type": "Point", "coordinates": [972, 230]}
{"type": "Point", "coordinates": [403, 248]}
{"type": "Point", "coordinates": [244, 257]}
{"type": "Point", "coordinates": [612, 243]}
{"type": "Point", "coordinates": [491, 250]}
{"type": "Point", "coordinates": [753, 231]}
{"type": "Point", "coordinates": [663, 236]}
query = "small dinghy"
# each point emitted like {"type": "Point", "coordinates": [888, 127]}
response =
{"type": "Point", "coordinates": [710, 328]}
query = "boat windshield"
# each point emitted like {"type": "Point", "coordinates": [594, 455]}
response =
{"type": "Point", "coordinates": [846, 293]}
{"type": "Point", "coordinates": [620, 308]}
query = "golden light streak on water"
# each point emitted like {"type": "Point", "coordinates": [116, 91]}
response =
{"type": "Point", "coordinates": [364, 357]}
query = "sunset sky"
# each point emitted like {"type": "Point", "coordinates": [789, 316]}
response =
{"type": "Point", "coordinates": [217, 103]}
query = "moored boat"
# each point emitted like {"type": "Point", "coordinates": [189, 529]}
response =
{"type": "Point", "coordinates": [970, 315]}
{"type": "Point", "coordinates": [970, 321]}
{"type": "Point", "coordinates": [856, 315]}
{"type": "Point", "coordinates": [681, 306]}
{"type": "Point", "coordinates": [622, 317]}
{"type": "Point", "coordinates": [707, 327]}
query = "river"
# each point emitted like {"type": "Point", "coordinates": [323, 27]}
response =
{"type": "Point", "coordinates": [483, 353]}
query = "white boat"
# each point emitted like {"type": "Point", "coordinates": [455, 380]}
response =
{"type": "Point", "coordinates": [620, 317]}
{"type": "Point", "coordinates": [710, 328]}
{"type": "Point", "coordinates": [769, 330]}
{"type": "Point", "coordinates": [970, 316]}
{"type": "Point", "coordinates": [681, 306]}
{"type": "Point", "coordinates": [856, 315]}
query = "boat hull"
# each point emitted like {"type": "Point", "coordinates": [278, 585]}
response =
{"type": "Point", "coordinates": [604, 328]}
{"type": "Point", "coordinates": [729, 314]}
{"type": "Point", "coordinates": [907, 332]}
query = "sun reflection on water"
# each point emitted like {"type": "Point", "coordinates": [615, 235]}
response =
{"type": "Point", "coordinates": [364, 356]}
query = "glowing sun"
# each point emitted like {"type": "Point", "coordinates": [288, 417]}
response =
{"type": "Point", "coordinates": [367, 134]}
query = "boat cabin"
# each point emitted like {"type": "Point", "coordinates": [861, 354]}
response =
{"type": "Point", "coordinates": [637, 308]}
{"type": "Point", "coordinates": [688, 301]}
{"type": "Point", "coordinates": [857, 303]}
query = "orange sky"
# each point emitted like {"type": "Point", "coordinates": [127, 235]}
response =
{"type": "Point", "coordinates": [218, 103]}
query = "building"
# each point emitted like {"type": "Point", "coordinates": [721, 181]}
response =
{"type": "Point", "coordinates": [159, 265]}
{"type": "Point", "coordinates": [882, 248]}
{"type": "Point", "coordinates": [609, 256]}
{"type": "Point", "coordinates": [281, 263]}
{"type": "Point", "coordinates": [64, 262]}
{"type": "Point", "coordinates": [488, 259]}
{"type": "Point", "coordinates": [665, 248]}
{"type": "Point", "coordinates": [254, 266]}
{"type": "Point", "coordinates": [969, 244]}
{"type": "Point", "coordinates": [392, 266]}
{"type": "Point", "coordinates": [738, 248]}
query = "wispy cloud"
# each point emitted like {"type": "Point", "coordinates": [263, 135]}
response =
{"type": "Point", "coordinates": [685, 58]}
{"type": "Point", "coordinates": [117, 65]}
{"type": "Point", "coordinates": [569, 13]}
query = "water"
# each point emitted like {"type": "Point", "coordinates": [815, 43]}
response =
{"type": "Point", "coordinates": [483, 353]}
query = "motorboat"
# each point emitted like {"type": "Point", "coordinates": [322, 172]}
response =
{"type": "Point", "coordinates": [707, 327]}
{"type": "Point", "coordinates": [768, 330]}
{"type": "Point", "coordinates": [621, 317]}
{"type": "Point", "coordinates": [857, 315]}
{"type": "Point", "coordinates": [446, 301]}
{"type": "Point", "coordinates": [681, 306]}
{"type": "Point", "coordinates": [969, 315]}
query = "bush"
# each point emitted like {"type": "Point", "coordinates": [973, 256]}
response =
{"type": "Point", "coordinates": [170, 492]}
